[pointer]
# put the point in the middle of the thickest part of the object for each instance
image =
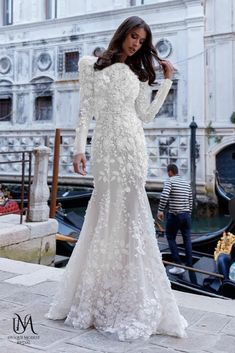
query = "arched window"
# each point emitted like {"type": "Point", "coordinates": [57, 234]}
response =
{"type": "Point", "coordinates": [43, 108]}
{"type": "Point", "coordinates": [43, 93]}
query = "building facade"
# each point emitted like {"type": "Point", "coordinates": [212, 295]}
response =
{"type": "Point", "coordinates": [219, 41]}
{"type": "Point", "coordinates": [41, 42]}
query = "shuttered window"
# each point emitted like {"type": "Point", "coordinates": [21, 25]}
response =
{"type": "Point", "coordinates": [44, 108]}
{"type": "Point", "coordinates": [71, 61]}
{"type": "Point", "coordinates": [5, 109]}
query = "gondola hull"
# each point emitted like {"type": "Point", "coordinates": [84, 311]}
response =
{"type": "Point", "coordinates": [68, 198]}
{"type": "Point", "coordinates": [199, 283]}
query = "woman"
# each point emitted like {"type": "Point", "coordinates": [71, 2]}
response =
{"type": "Point", "coordinates": [115, 280]}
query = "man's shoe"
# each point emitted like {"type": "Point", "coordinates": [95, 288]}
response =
{"type": "Point", "coordinates": [176, 270]}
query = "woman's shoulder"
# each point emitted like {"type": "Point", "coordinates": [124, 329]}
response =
{"type": "Point", "coordinates": [87, 61]}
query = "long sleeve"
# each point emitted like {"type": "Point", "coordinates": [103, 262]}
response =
{"type": "Point", "coordinates": [86, 102]}
{"type": "Point", "coordinates": [146, 111]}
{"type": "Point", "coordinates": [165, 196]}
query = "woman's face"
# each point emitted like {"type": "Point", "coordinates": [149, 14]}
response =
{"type": "Point", "coordinates": [133, 41]}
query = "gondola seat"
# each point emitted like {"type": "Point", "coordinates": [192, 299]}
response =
{"type": "Point", "coordinates": [228, 289]}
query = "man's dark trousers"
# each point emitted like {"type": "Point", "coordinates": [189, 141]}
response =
{"type": "Point", "coordinates": [175, 222]}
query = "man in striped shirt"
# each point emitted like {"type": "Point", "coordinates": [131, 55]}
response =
{"type": "Point", "coordinates": [177, 195]}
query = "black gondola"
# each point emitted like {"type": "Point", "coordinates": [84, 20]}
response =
{"type": "Point", "coordinates": [69, 224]}
{"type": "Point", "coordinates": [68, 198]}
{"type": "Point", "coordinates": [223, 196]}
{"type": "Point", "coordinates": [209, 283]}
{"type": "Point", "coordinates": [206, 242]}
{"type": "Point", "coordinates": [201, 242]}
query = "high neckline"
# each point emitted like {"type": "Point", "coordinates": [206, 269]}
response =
{"type": "Point", "coordinates": [121, 64]}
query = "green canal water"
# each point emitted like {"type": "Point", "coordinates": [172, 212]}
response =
{"type": "Point", "coordinates": [205, 225]}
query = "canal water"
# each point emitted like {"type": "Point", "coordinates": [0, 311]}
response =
{"type": "Point", "coordinates": [199, 224]}
{"type": "Point", "coordinates": [205, 225]}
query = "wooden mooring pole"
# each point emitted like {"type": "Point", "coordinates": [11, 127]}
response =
{"type": "Point", "coordinates": [54, 187]}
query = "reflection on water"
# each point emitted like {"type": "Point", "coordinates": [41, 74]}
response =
{"type": "Point", "coordinates": [209, 224]}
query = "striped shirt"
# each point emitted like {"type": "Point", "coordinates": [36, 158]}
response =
{"type": "Point", "coordinates": [177, 194]}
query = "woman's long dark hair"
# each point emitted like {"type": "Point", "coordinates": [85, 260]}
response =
{"type": "Point", "coordinates": [141, 63]}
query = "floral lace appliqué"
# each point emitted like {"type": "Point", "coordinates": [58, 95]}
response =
{"type": "Point", "coordinates": [115, 279]}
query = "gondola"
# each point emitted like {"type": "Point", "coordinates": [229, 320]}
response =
{"type": "Point", "coordinates": [69, 224]}
{"type": "Point", "coordinates": [207, 282]}
{"type": "Point", "coordinates": [220, 191]}
{"type": "Point", "coordinates": [204, 242]}
{"type": "Point", "coordinates": [73, 198]}
{"type": "Point", "coordinates": [68, 198]}
{"type": "Point", "coordinates": [201, 242]}
{"type": "Point", "coordinates": [207, 242]}
{"type": "Point", "coordinates": [223, 196]}
{"type": "Point", "coordinates": [204, 282]}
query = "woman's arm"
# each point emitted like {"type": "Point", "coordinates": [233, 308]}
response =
{"type": "Point", "coordinates": [86, 112]}
{"type": "Point", "coordinates": [86, 103]}
{"type": "Point", "coordinates": [146, 111]}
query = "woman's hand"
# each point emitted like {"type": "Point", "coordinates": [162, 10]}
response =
{"type": "Point", "coordinates": [79, 163]}
{"type": "Point", "coordinates": [167, 68]}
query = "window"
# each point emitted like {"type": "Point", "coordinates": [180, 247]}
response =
{"type": "Point", "coordinates": [136, 2]}
{"type": "Point", "coordinates": [43, 108]}
{"type": "Point", "coordinates": [7, 12]}
{"type": "Point", "coordinates": [71, 61]}
{"type": "Point", "coordinates": [5, 109]}
{"type": "Point", "coordinates": [98, 51]}
{"type": "Point", "coordinates": [51, 9]}
{"type": "Point", "coordinates": [168, 110]}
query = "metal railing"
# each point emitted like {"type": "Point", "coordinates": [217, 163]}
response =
{"type": "Point", "coordinates": [193, 269]}
{"type": "Point", "coordinates": [24, 158]}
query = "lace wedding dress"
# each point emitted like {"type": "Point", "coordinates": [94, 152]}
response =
{"type": "Point", "coordinates": [115, 279]}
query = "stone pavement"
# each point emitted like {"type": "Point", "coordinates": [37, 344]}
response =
{"type": "Point", "coordinates": [28, 289]}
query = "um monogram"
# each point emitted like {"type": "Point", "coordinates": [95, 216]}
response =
{"type": "Point", "coordinates": [19, 325]}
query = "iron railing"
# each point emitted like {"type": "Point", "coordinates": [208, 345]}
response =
{"type": "Point", "coordinates": [24, 158]}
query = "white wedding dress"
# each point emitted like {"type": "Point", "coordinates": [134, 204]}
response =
{"type": "Point", "coordinates": [115, 279]}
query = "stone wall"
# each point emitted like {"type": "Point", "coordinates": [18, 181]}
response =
{"type": "Point", "coordinates": [30, 242]}
{"type": "Point", "coordinates": [166, 146]}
